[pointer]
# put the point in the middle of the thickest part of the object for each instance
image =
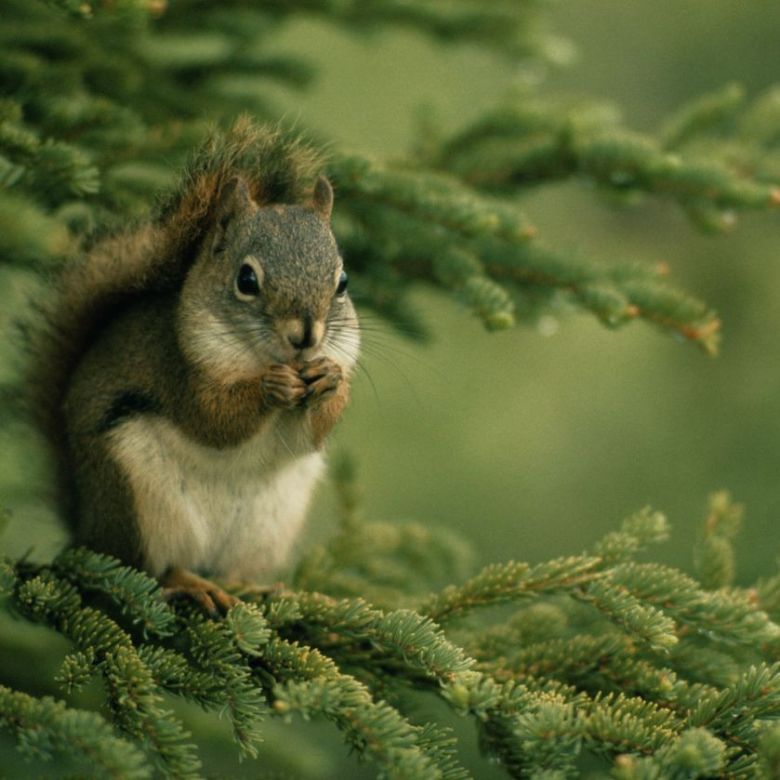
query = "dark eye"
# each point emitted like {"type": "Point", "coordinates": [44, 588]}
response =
{"type": "Point", "coordinates": [342, 285]}
{"type": "Point", "coordinates": [246, 281]}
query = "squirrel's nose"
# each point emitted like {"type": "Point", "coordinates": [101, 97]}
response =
{"type": "Point", "coordinates": [300, 341]}
{"type": "Point", "coordinates": [303, 333]}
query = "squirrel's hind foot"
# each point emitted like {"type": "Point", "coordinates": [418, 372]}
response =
{"type": "Point", "coordinates": [178, 583]}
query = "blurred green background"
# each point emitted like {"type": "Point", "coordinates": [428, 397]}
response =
{"type": "Point", "coordinates": [532, 443]}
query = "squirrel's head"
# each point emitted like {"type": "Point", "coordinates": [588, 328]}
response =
{"type": "Point", "coordinates": [268, 286]}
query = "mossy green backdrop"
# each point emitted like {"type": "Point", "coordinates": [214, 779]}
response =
{"type": "Point", "coordinates": [532, 443]}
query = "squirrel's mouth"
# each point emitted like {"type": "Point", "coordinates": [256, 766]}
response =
{"type": "Point", "coordinates": [288, 354]}
{"type": "Point", "coordinates": [299, 338]}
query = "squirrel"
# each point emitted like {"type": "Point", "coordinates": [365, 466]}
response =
{"type": "Point", "coordinates": [191, 367]}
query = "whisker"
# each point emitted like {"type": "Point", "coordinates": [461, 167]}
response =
{"type": "Point", "coordinates": [360, 365]}
{"type": "Point", "coordinates": [380, 348]}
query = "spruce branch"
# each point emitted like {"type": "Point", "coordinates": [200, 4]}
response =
{"type": "Point", "coordinates": [600, 659]}
{"type": "Point", "coordinates": [695, 754]}
{"type": "Point", "coordinates": [138, 710]}
{"type": "Point", "coordinates": [222, 651]}
{"type": "Point", "coordinates": [604, 655]}
{"type": "Point", "coordinates": [433, 228]}
{"type": "Point", "coordinates": [636, 618]}
{"type": "Point", "coordinates": [713, 555]}
{"type": "Point", "coordinates": [537, 143]}
{"type": "Point", "coordinates": [45, 728]}
{"type": "Point", "coordinates": [136, 594]}
{"type": "Point", "coordinates": [498, 583]}
{"type": "Point", "coordinates": [705, 114]}
{"type": "Point", "coordinates": [660, 674]}
{"type": "Point", "coordinates": [507, 27]}
{"type": "Point", "coordinates": [374, 729]}
{"type": "Point", "coordinates": [402, 634]}
{"type": "Point", "coordinates": [732, 617]}
{"type": "Point", "coordinates": [76, 670]}
{"type": "Point", "coordinates": [707, 663]}
{"type": "Point", "coordinates": [130, 689]}
{"type": "Point", "coordinates": [404, 226]}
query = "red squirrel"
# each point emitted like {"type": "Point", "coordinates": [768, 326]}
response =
{"type": "Point", "coordinates": [192, 367]}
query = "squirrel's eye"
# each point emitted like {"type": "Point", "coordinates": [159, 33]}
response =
{"type": "Point", "coordinates": [342, 285]}
{"type": "Point", "coordinates": [246, 281]}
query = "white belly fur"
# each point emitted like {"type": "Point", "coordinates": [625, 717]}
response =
{"type": "Point", "coordinates": [233, 513]}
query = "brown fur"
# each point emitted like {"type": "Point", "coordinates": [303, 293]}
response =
{"type": "Point", "coordinates": [155, 256]}
{"type": "Point", "coordinates": [327, 414]}
{"type": "Point", "coordinates": [144, 324]}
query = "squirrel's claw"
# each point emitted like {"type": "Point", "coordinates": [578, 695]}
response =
{"type": "Point", "coordinates": [208, 595]}
{"type": "Point", "coordinates": [282, 386]}
{"type": "Point", "coordinates": [322, 377]}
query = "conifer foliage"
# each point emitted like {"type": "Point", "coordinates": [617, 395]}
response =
{"type": "Point", "coordinates": [102, 97]}
{"type": "Point", "coordinates": [634, 666]}
{"type": "Point", "coordinates": [598, 653]}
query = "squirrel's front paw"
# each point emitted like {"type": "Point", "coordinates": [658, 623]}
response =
{"type": "Point", "coordinates": [322, 377]}
{"type": "Point", "coordinates": [282, 386]}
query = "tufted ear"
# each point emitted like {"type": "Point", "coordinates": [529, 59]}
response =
{"type": "Point", "coordinates": [233, 201]}
{"type": "Point", "coordinates": [323, 198]}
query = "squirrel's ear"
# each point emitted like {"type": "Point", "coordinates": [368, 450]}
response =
{"type": "Point", "coordinates": [234, 199]}
{"type": "Point", "coordinates": [323, 198]}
